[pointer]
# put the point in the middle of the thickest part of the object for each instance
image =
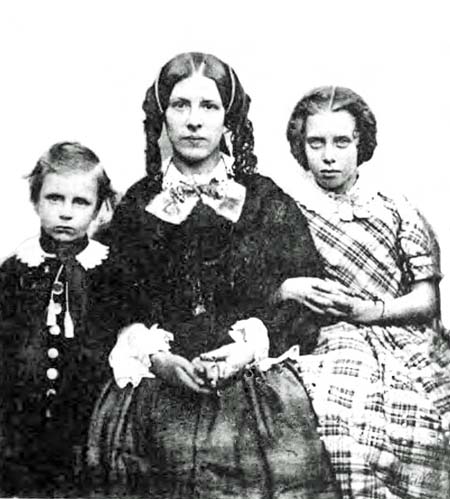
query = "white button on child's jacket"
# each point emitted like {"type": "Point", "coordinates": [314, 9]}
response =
{"type": "Point", "coordinates": [52, 353]}
{"type": "Point", "coordinates": [55, 330]}
{"type": "Point", "coordinates": [52, 373]}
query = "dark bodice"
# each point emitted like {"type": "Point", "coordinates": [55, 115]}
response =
{"type": "Point", "coordinates": [197, 278]}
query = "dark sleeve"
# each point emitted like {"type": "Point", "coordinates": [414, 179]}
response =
{"type": "Point", "coordinates": [278, 245]}
{"type": "Point", "coordinates": [12, 321]}
{"type": "Point", "coordinates": [293, 254]}
{"type": "Point", "coordinates": [14, 314]}
{"type": "Point", "coordinates": [134, 249]}
{"type": "Point", "coordinates": [290, 251]}
{"type": "Point", "coordinates": [9, 282]}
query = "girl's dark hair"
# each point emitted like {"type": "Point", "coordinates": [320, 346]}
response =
{"type": "Point", "coordinates": [66, 157]}
{"type": "Point", "coordinates": [234, 99]}
{"type": "Point", "coordinates": [332, 99]}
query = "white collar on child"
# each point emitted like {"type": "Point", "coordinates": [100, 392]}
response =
{"type": "Point", "coordinates": [180, 193]}
{"type": "Point", "coordinates": [359, 202]}
{"type": "Point", "coordinates": [31, 253]}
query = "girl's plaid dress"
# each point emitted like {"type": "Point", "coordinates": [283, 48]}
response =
{"type": "Point", "coordinates": [381, 393]}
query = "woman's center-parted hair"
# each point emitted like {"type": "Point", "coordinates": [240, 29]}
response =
{"type": "Point", "coordinates": [71, 157]}
{"type": "Point", "coordinates": [332, 99]}
{"type": "Point", "coordinates": [234, 99]}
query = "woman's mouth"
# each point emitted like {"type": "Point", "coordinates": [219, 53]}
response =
{"type": "Point", "coordinates": [194, 140]}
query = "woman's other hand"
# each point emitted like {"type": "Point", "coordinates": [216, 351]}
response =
{"type": "Point", "coordinates": [178, 371]}
{"type": "Point", "coordinates": [333, 299]}
{"type": "Point", "coordinates": [319, 295]}
{"type": "Point", "coordinates": [336, 300]}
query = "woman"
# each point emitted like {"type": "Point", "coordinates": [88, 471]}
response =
{"type": "Point", "coordinates": [202, 244]}
{"type": "Point", "coordinates": [378, 378]}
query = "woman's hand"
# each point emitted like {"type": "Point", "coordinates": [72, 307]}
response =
{"type": "Point", "coordinates": [178, 371]}
{"type": "Point", "coordinates": [222, 363]}
{"type": "Point", "coordinates": [319, 295]}
{"type": "Point", "coordinates": [330, 298]}
{"type": "Point", "coordinates": [333, 299]}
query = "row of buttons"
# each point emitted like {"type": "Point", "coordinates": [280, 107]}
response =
{"type": "Point", "coordinates": [54, 330]}
{"type": "Point", "coordinates": [53, 353]}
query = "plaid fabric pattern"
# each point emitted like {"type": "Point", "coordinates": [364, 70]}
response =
{"type": "Point", "coordinates": [381, 394]}
{"type": "Point", "coordinates": [379, 255]}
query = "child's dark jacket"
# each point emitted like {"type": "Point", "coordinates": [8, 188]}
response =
{"type": "Point", "coordinates": [49, 382]}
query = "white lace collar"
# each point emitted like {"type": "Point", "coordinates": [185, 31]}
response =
{"type": "Point", "coordinates": [31, 253]}
{"type": "Point", "coordinates": [172, 177]}
{"type": "Point", "coordinates": [181, 193]}
{"type": "Point", "coordinates": [361, 201]}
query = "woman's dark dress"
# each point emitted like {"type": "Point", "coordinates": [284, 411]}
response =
{"type": "Point", "coordinates": [49, 382]}
{"type": "Point", "coordinates": [196, 279]}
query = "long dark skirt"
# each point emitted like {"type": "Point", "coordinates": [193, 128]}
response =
{"type": "Point", "coordinates": [255, 439]}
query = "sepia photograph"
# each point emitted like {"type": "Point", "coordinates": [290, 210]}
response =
{"type": "Point", "coordinates": [225, 251]}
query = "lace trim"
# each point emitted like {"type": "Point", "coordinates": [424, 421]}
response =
{"type": "Point", "coordinates": [31, 253]}
{"type": "Point", "coordinates": [361, 201]}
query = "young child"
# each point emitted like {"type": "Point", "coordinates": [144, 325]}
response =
{"type": "Point", "coordinates": [53, 345]}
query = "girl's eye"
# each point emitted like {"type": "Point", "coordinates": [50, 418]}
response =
{"type": "Point", "coordinates": [315, 143]}
{"type": "Point", "coordinates": [342, 142]}
{"type": "Point", "coordinates": [81, 202]}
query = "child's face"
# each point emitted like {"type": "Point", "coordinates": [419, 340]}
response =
{"type": "Point", "coordinates": [332, 149]}
{"type": "Point", "coordinates": [67, 204]}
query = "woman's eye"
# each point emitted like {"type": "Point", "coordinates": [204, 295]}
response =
{"type": "Point", "coordinates": [179, 104]}
{"type": "Point", "coordinates": [210, 105]}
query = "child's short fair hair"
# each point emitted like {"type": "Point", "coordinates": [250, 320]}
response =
{"type": "Point", "coordinates": [70, 157]}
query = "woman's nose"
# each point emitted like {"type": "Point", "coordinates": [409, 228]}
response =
{"type": "Point", "coordinates": [194, 120]}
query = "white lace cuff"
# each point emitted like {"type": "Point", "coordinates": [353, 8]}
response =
{"type": "Point", "coordinates": [130, 357]}
{"type": "Point", "coordinates": [253, 332]}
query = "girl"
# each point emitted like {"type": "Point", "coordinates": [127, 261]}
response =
{"type": "Point", "coordinates": [54, 350]}
{"type": "Point", "coordinates": [378, 378]}
{"type": "Point", "coordinates": [203, 243]}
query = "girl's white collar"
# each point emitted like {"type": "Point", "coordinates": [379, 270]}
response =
{"type": "Point", "coordinates": [360, 201]}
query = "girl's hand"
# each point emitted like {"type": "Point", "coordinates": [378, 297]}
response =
{"type": "Point", "coordinates": [366, 311]}
{"type": "Point", "coordinates": [178, 371]}
{"type": "Point", "coordinates": [319, 295]}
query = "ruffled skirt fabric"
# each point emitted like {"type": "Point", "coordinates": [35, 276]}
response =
{"type": "Point", "coordinates": [256, 439]}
